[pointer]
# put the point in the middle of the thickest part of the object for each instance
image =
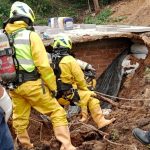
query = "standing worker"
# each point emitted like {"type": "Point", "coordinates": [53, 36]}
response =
{"type": "Point", "coordinates": [35, 84]}
{"type": "Point", "coordinates": [71, 84]}
{"type": "Point", "coordinates": [6, 141]}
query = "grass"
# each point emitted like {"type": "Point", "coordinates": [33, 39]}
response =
{"type": "Point", "coordinates": [101, 18]}
{"type": "Point", "coordinates": [4, 11]}
{"type": "Point", "coordinates": [41, 21]}
{"type": "Point", "coordinates": [67, 12]}
{"type": "Point", "coordinates": [118, 19]}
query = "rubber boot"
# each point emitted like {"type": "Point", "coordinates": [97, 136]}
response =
{"type": "Point", "coordinates": [24, 140]}
{"type": "Point", "coordinates": [142, 136]}
{"type": "Point", "coordinates": [98, 116]}
{"type": "Point", "coordinates": [84, 114]}
{"type": "Point", "coordinates": [62, 134]}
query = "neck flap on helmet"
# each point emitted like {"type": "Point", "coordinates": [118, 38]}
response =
{"type": "Point", "coordinates": [19, 18]}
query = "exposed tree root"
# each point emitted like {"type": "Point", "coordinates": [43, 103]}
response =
{"type": "Point", "coordinates": [131, 147]}
{"type": "Point", "coordinates": [115, 104]}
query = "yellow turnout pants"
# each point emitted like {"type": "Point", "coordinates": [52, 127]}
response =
{"type": "Point", "coordinates": [86, 101]}
{"type": "Point", "coordinates": [30, 94]}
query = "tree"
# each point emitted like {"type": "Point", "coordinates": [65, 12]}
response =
{"type": "Point", "coordinates": [96, 6]}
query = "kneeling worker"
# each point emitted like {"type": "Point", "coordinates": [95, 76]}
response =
{"type": "Point", "coordinates": [71, 84]}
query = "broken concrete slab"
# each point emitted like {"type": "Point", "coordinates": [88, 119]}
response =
{"type": "Point", "coordinates": [92, 33]}
{"type": "Point", "coordinates": [106, 29]}
{"type": "Point", "coordinates": [88, 26]}
{"type": "Point", "coordinates": [135, 29]}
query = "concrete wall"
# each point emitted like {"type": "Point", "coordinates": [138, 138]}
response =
{"type": "Point", "coordinates": [100, 53]}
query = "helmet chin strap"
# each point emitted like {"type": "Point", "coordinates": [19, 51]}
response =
{"type": "Point", "coordinates": [61, 51]}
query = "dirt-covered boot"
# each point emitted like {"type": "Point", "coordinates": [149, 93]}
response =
{"type": "Point", "coordinates": [84, 115]}
{"type": "Point", "coordinates": [142, 136]}
{"type": "Point", "coordinates": [23, 141]}
{"type": "Point", "coordinates": [97, 114]}
{"type": "Point", "coordinates": [62, 135]}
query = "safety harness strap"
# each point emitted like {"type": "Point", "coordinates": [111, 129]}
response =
{"type": "Point", "coordinates": [24, 76]}
{"type": "Point", "coordinates": [65, 90]}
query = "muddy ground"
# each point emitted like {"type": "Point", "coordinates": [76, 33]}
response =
{"type": "Point", "coordinates": [87, 137]}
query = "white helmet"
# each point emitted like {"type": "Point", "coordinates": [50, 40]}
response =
{"type": "Point", "coordinates": [21, 9]}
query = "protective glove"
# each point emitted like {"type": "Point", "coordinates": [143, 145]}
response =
{"type": "Point", "coordinates": [84, 65]}
{"type": "Point", "coordinates": [93, 93]}
{"type": "Point", "coordinates": [6, 104]}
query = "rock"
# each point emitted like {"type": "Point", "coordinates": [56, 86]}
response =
{"type": "Point", "coordinates": [106, 111]}
{"type": "Point", "coordinates": [93, 145]}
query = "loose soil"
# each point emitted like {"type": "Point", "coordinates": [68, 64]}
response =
{"type": "Point", "coordinates": [131, 12]}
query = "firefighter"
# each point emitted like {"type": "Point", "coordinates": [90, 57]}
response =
{"type": "Point", "coordinates": [35, 85]}
{"type": "Point", "coordinates": [88, 70]}
{"type": "Point", "coordinates": [6, 140]}
{"type": "Point", "coordinates": [71, 84]}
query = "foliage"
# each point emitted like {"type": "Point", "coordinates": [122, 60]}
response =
{"type": "Point", "coordinates": [78, 5]}
{"type": "Point", "coordinates": [45, 9]}
{"type": "Point", "coordinates": [41, 21]}
{"type": "Point", "coordinates": [105, 2]}
{"type": "Point", "coordinates": [118, 19]}
{"type": "Point", "coordinates": [114, 135]}
{"type": "Point", "coordinates": [4, 11]}
{"type": "Point", "coordinates": [101, 18]}
{"type": "Point", "coordinates": [67, 12]}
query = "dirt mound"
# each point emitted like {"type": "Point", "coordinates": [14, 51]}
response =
{"type": "Point", "coordinates": [132, 12]}
{"type": "Point", "coordinates": [131, 118]}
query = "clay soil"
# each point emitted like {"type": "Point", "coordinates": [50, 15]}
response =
{"type": "Point", "coordinates": [131, 12]}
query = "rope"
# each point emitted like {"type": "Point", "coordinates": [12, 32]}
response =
{"type": "Point", "coordinates": [122, 98]}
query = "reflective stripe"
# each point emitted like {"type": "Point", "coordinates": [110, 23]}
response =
{"type": "Point", "coordinates": [23, 50]}
{"type": "Point", "coordinates": [49, 76]}
{"type": "Point", "coordinates": [25, 61]}
{"type": "Point", "coordinates": [22, 41]}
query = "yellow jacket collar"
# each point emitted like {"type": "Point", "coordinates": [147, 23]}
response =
{"type": "Point", "coordinates": [15, 26]}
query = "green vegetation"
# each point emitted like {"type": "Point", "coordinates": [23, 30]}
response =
{"type": "Point", "coordinates": [4, 11]}
{"type": "Point", "coordinates": [105, 2]}
{"type": "Point", "coordinates": [68, 12]}
{"type": "Point", "coordinates": [119, 18]}
{"type": "Point", "coordinates": [45, 9]}
{"type": "Point", "coordinates": [101, 18]}
{"type": "Point", "coordinates": [114, 135]}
